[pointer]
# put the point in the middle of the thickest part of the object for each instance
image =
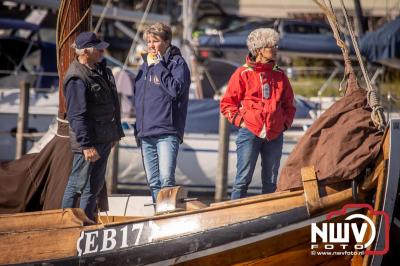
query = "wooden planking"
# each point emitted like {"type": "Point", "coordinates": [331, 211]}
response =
{"type": "Point", "coordinates": [62, 218]}
{"type": "Point", "coordinates": [338, 261]}
{"type": "Point", "coordinates": [296, 196]}
{"type": "Point", "coordinates": [38, 245]}
{"type": "Point", "coordinates": [357, 260]}
{"type": "Point", "coordinates": [195, 221]}
{"type": "Point", "coordinates": [59, 243]}
{"type": "Point", "coordinates": [289, 248]}
{"type": "Point", "coordinates": [254, 251]}
{"type": "Point", "coordinates": [299, 255]}
{"type": "Point", "coordinates": [200, 221]}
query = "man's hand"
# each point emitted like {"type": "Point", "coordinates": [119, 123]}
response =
{"type": "Point", "coordinates": [242, 125]}
{"type": "Point", "coordinates": [91, 154]}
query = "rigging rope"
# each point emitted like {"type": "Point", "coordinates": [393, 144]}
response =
{"type": "Point", "coordinates": [60, 28]}
{"type": "Point", "coordinates": [103, 13]}
{"type": "Point", "coordinates": [336, 32]}
{"type": "Point", "coordinates": [135, 39]}
{"type": "Point", "coordinates": [377, 115]}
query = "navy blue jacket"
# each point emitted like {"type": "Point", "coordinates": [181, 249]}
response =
{"type": "Point", "coordinates": [93, 109]}
{"type": "Point", "coordinates": [161, 96]}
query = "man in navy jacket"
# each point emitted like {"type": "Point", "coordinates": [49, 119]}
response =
{"type": "Point", "coordinates": [161, 99]}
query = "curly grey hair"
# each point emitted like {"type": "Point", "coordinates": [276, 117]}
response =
{"type": "Point", "coordinates": [262, 38]}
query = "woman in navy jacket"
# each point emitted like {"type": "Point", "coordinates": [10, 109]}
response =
{"type": "Point", "coordinates": [161, 99]}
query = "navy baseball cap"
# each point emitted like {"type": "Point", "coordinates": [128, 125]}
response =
{"type": "Point", "coordinates": [89, 39]}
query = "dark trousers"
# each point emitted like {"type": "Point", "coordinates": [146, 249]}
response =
{"type": "Point", "coordinates": [86, 180]}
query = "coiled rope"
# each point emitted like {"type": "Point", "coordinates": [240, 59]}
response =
{"type": "Point", "coordinates": [377, 115]}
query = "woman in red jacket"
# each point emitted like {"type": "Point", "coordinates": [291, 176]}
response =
{"type": "Point", "coordinates": [259, 100]}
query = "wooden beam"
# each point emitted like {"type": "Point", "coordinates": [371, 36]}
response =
{"type": "Point", "coordinates": [311, 192]}
{"type": "Point", "coordinates": [171, 199]}
{"type": "Point", "coordinates": [221, 180]}
{"type": "Point", "coordinates": [22, 122]}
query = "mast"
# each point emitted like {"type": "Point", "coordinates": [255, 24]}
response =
{"type": "Point", "coordinates": [359, 18]}
{"type": "Point", "coordinates": [48, 170]}
{"type": "Point", "coordinates": [74, 16]}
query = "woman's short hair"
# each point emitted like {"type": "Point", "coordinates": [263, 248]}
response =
{"type": "Point", "coordinates": [262, 38]}
{"type": "Point", "coordinates": [158, 29]}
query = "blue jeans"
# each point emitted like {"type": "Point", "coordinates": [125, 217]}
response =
{"type": "Point", "coordinates": [159, 159]}
{"type": "Point", "coordinates": [248, 148]}
{"type": "Point", "coordinates": [86, 180]}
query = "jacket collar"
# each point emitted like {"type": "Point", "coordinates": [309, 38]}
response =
{"type": "Point", "coordinates": [259, 67]}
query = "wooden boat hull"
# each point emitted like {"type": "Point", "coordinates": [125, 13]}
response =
{"type": "Point", "coordinates": [168, 238]}
{"type": "Point", "coordinates": [257, 241]}
{"type": "Point", "coordinates": [265, 229]}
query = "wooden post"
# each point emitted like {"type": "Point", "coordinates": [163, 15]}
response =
{"type": "Point", "coordinates": [197, 81]}
{"type": "Point", "coordinates": [188, 53]}
{"type": "Point", "coordinates": [22, 119]}
{"type": "Point", "coordinates": [358, 18]}
{"type": "Point", "coordinates": [221, 179]}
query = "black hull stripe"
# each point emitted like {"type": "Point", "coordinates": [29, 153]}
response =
{"type": "Point", "coordinates": [184, 245]}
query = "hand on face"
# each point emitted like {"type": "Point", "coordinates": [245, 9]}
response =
{"type": "Point", "coordinates": [153, 59]}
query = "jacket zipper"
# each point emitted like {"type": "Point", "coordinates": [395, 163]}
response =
{"type": "Point", "coordinates": [144, 96]}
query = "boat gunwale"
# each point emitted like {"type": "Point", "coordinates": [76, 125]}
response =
{"type": "Point", "coordinates": [229, 204]}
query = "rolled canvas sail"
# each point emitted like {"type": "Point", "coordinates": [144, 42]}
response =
{"type": "Point", "coordinates": [339, 144]}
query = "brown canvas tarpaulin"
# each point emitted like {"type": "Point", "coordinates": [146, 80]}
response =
{"type": "Point", "coordinates": [37, 181]}
{"type": "Point", "coordinates": [339, 144]}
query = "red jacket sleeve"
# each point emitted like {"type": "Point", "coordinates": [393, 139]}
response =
{"type": "Point", "coordinates": [230, 102]}
{"type": "Point", "coordinates": [288, 104]}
